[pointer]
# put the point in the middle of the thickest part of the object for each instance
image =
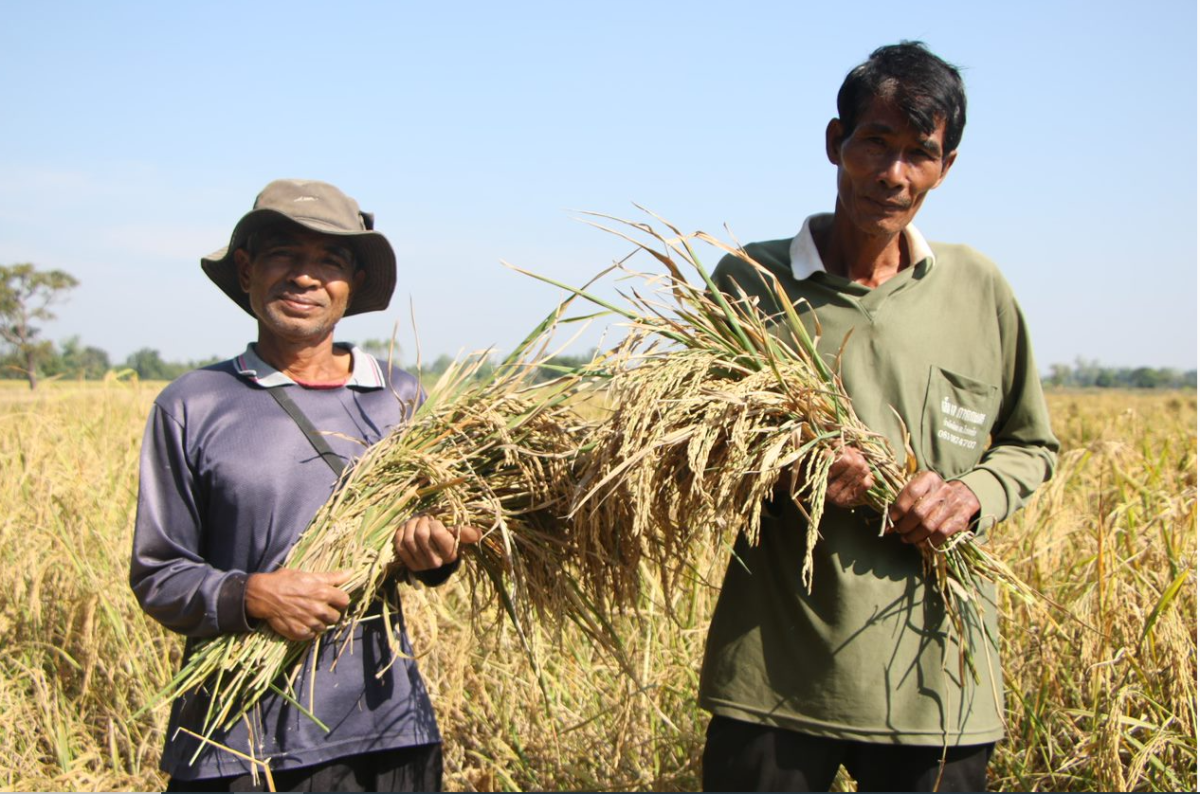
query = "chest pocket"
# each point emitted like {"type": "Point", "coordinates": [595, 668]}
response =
{"type": "Point", "coordinates": [958, 416]}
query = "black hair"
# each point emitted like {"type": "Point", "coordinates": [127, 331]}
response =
{"type": "Point", "coordinates": [925, 88]}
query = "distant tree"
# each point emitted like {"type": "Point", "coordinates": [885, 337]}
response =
{"type": "Point", "coordinates": [11, 366]}
{"type": "Point", "coordinates": [381, 349]}
{"type": "Point", "coordinates": [1088, 372]}
{"type": "Point", "coordinates": [1145, 378]}
{"type": "Point", "coordinates": [202, 362]}
{"type": "Point", "coordinates": [1170, 378]}
{"type": "Point", "coordinates": [1060, 375]}
{"type": "Point", "coordinates": [558, 365]}
{"type": "Point", "coordinates": [25, 296]}
{"type": "Point", "coordinates": [75, 360]}
{"type": "Point", "coordinates": [148, 365]}
{"type": "Point", "coordinates": [439, 365]}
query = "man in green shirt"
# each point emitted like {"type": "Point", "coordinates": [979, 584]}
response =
{"type": "Point", "coordinates": [863, 671]}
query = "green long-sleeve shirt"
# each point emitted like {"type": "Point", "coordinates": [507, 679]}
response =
{"type": "Point", "coordinates": [867, 655]}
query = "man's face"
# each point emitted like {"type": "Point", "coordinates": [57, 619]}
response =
{"type": "Point", "coordinates": [299, 282]}
{"type": "Point", "coordinates": [885, 167]}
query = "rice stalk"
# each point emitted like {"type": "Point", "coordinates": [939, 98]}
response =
{"type": "Point", "coordinates": [718, 409]}
{"type": "Point", "coordinates": [490, 452]}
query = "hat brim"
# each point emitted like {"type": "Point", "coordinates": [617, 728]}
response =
{"type": "Point", "coordinates": [372, 253]}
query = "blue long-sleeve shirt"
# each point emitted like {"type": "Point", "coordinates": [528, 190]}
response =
{"type": "Point", "coordinates": [227, 483]}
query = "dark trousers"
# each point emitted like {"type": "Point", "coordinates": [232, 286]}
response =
{"type": "Point", "coordinates": [407, 769]}
{"type": "Point", "coordinates": [742, 756]}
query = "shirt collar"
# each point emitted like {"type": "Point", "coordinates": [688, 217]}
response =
{"type": "Point", "coordinates": [364, 373]}
{"type": "Point", "coordinates": [807, 261]}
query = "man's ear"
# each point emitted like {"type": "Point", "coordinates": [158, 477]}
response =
{"type": "Point", "coordinates": [947, 161]}
{"type": "Point", "coordinates": [242, 261]}
{"type": "Point", "coordinates": [833, 141]}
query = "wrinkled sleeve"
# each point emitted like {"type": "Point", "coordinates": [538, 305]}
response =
{"type": "Point", "coordinates": [1024, 451]}
{"type": "Point", "coordinates": [168, 573]}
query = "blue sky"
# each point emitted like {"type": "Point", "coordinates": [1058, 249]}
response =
{"type": "Point", "coordinates": [136, 134]}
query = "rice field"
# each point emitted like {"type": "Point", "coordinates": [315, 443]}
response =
{"type": "Point", "coordinates": [1101, 696]}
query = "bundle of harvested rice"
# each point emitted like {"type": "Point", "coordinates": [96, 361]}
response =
{"type": "Point", "coordinates": [488, 451]}
{"type": "Point", "coordinates": [715, 405]}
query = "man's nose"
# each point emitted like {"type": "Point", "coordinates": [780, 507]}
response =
{"type": "Point", "coordinates": [892, 171]}
{"type": "Point", "coordinates": [302, 274]}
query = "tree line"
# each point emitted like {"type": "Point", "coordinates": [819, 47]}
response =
{"type": "Point", "coordinates": [549, 369]}
{"type": "Point", "coordinates": [27, 293]}
{"type": "Point", "coordinates": [1092, 375]}
{"type": "Point", "coordinates": [73, 360]}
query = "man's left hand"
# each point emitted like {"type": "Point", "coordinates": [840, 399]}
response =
{"type": "Point", "coordinates": [930, 509]}
{"type": "Point", "coordinates": [424, 543]}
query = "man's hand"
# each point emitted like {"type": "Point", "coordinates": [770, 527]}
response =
{"type": "Point", "coordinates": [424, 543]}
{"type": "Point", "coordinates": [849, 479]}
{"type": "Point", "coordinates": [931, 509]}
{"type": "Point", "coordinates": [296, 604]}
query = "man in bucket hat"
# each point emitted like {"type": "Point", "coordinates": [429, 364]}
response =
{"type": "Point", "coordinates": [237, 458]}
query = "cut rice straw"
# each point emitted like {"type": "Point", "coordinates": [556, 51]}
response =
{"type": "Point", "coordinates": [484, 449]}
{"type": "Point", "coordinates": [717, 406]}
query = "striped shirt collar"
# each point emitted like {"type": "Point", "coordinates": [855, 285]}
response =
{"type": "Point", "coordinates": [364, 374]}
{"type": "Point", "coordinates": [807, 261]}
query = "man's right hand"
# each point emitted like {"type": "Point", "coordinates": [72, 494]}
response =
{"type": "Point", "coordinates": [849, 479]}
{"type": "Point", "coordinates": [296, 604]}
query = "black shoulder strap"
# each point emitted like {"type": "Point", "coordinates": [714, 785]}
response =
{"type": "Point", "coordinates": [315, 438]}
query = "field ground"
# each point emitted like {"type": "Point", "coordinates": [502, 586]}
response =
{"type": "Point", "coordinates": [1101, 697]}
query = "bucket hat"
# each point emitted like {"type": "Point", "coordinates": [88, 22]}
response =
{"type": "Point", "coordinates": [319, 207]}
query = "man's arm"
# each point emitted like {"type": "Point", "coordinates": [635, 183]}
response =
{"type": "Point", "coordinates": [170, 578]}
{"type": "Point", "coordinates": [1023, 451]}
{"type": "Point", "coordinates": [179, 588]}
{"type": "Point", "coordinates": [1022, 454]}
